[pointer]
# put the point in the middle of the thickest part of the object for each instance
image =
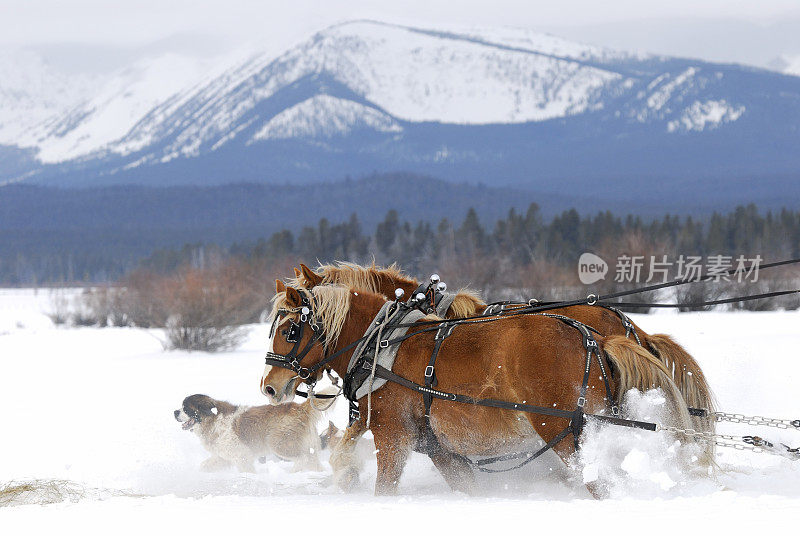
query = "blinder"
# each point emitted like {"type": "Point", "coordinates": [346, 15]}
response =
{"type": "Point", "coordinates": [294, 336]}
{"type": "Point", "coordinates": [293, 333]}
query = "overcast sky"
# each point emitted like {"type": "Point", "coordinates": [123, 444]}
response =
{"type": "Point", "coordinates": [726, 30]}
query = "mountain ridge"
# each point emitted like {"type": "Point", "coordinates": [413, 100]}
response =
{"type": "Point", "coordinates": [507, 107]}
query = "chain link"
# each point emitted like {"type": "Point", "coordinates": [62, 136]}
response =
{"type": "Point", "coordinates": [729, 441]}
{"type": "Point", "coordinates": [755, 420]}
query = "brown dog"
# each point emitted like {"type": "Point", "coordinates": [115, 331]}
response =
{"type": "Point", "coordinates": [238, 435]}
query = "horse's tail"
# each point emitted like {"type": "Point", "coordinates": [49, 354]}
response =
{"type": "Point", "coordinates": [636, 368]}
{"type": "Point", "coordinates": [687, 375]}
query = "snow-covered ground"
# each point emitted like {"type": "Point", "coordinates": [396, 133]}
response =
{"type": "Point", "coordinates": [94, 406]}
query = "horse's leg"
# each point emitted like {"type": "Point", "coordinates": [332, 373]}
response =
{"type": "Point", "coordinates": [343, 457]}
{"type": "Point", "coordinates": [455, 470]}
{"type": "Point", "coordinates": [393, 447]}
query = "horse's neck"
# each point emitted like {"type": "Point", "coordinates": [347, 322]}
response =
{"type": "Point", "coordinates": [363, 308]}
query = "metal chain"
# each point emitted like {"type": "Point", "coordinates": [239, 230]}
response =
{"type": "Point", "coordinates": [735, 442]}
{"type": "Point", "coordinates": [756, 420]}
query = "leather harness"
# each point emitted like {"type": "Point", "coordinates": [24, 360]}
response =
{"type": "Point", "coordinates": [396, 323]}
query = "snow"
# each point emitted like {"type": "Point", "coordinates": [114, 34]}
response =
{"type": "Point", "coordinates": [478, 76]}
{"type": "Point", "coordinates": [32, 93]}
{"type": "Point", "coordinates": [359, 74]}
{"type": "Point", "coordinates": [94, 406]}
{"type": "Point", "coordinates": [662, 95]}
{"type": "Point", "coordinates": [533, 41]}
{"type": "Point", "coordinates": [790, 64]}
{"type": "Point", "coordinates": [450, 80]}
{"type": "Point", "coordinates": [118, 105]}
{"type": "Point", "coordinates": [709, 114]}
{"type": "Point", "coordinates": [324, 116]}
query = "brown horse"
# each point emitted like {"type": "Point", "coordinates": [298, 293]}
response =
{"type": "Point", "coordinates": [533, 359]}
{"type": "Point", "coordinates": [684, 369]}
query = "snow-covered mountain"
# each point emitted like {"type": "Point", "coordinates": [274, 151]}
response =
{"type": "Point", "coordinates": [33, 94]}
{"type": "Point", "coordinates": [791, 65]}
{"type": "Point", "coordinates": [509, 106]}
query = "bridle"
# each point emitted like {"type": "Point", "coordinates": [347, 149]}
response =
{"type": "Point", "coordinates": [294, 335]}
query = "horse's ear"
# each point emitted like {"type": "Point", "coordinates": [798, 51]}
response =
{"type": "Point", "coordinates": [293, 298]}
{"type": "Point", "coordinates": [310, 275]}
{"type": "Point", "coordinates": [297, 272]}
{"type": "Point", "coordinates": [279, 286]}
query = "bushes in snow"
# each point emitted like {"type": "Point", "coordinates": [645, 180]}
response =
{"type": "Point", "coordinates": [199, 309]}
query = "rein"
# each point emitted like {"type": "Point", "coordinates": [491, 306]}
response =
{"type": "Point", "coordinates": [536, 306]}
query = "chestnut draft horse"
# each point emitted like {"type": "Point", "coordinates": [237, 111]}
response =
{"type": "Point", "coordinates": [684, 369]}
{"type": "Point", "coordinates": [528, 359]}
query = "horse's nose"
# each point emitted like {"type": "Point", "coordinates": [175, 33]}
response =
{"type": "Point", "coordinates": [177, 412]}
{"type": "Point", "coordinates": [270, 390]}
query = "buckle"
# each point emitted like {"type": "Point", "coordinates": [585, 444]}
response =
{"type": "Point", "coordinates": [615, 411]}
{"type": "Point", "coordinates": [581, 401]}
{"type": "Point", "coordinates": [303, 373]}
{"type": "Point", "coordinates": [591, 342]}
{"type": "Point", "coordinates": [429, 371]}
{"type": "Point", "coordinates": [384, 343]}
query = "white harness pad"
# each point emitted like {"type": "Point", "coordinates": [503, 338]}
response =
{"type": "Point", "coordinates": [387, 355]}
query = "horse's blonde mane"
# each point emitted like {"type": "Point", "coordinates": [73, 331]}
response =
{"type": "Point", "coordinates": [366, 278]}
{"type": "Point", "coordinates": [331, 305]}
{"type": "Point", "coordinates": [465, 304]}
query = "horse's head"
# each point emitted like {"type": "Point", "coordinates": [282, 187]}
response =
{"type": "Point", "coordinates": [296, 342]}
{"type": "Point", "coordinates": [306, 324]}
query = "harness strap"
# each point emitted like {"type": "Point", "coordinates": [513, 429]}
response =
{"type": "Point", "coordinates": [430, 371]}
{"type": "Point", "coordinates": [454, 397]}
{"type": "Point", "coordinates": [626, 323]}
{"type": "Point", "coordinates": [529, 456]}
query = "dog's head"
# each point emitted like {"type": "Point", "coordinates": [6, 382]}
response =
{"type": "Point", "coordinates": [196, 409]}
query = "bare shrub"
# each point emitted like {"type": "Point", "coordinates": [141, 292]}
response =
{"type": "Point", "coordinates": [83, 313]}
{"type": "Point", "coordinates": [207, 308]}
{"type": "Point", "coordinates": [71, 309]}
{"type": "Point", "coordinates": [104, 305]}
{"type": "Point", "coordinates": [763, 286]}
{"type": "Point", "coordinates": [696, 293]}
{"type": "Point", "coordinates": [140, 300]}
{"type": "Point", "coordinates": [60, 310]}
